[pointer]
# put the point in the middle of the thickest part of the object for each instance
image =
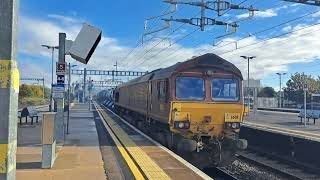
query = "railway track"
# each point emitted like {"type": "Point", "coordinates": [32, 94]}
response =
{"type": "Point", "coordinates": [279, 166]}
{"type": "Point", "coordinates": [221, 173]}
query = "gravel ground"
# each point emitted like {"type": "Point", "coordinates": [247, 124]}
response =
{"type": "Point", "coordinates": [248, 171]}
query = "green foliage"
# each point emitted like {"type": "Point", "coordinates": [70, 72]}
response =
{"type": "Point", "coordinates": [32, 95]}
{"type": "Point", "coordinates": [25, 91]}
{"type": "Point", "coordinates": [267, 92]}
{"type": "Point", "coordinates": [294, 90]}
{"type": "Point", "coordinates": [33, 91]}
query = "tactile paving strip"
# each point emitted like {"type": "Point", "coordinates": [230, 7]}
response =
{"type": "Point", "coordinates": [147, 165]}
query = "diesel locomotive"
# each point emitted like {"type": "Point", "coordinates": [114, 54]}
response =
{"type": "Point", "coordinates": [195, 107]}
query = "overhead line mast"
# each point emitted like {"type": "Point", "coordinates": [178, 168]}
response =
{"type": "Point", "coordinates": [219, 6]}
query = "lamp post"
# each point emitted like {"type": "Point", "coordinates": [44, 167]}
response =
{"type": "Point", "coordinates": [248, 83]}
{"type": "Point", "coordinates": [280, 78]}
{"type": "Point", "coordinates": [52, 62]}
{"type": "Point", "coordinates": [116, 65]}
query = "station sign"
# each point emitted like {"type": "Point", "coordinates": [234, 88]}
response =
{"type": "Point", "coordinates": [58, 95]}
{"type": "Point", "coordinates": [60, 79]}
{"type": "Point", "coordinates": [57, 87]}
{"type": "Point", "coordinates": [61, 68]}
{"type": "Point", "coordinates": [58, 90]}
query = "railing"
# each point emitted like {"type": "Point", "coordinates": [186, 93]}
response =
{"type": "Point", "coordinates": [288, 110]}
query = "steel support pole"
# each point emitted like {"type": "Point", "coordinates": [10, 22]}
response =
{"type": "Point", "coordinates": [305, 107]}
{"type": "Point", "coordinates": [84, 84]}
{"type": "Point", "coordinates": [9, 88]}
{"type": "Point", "coordinates": [280, 93]}
{"type": "Point", "coordinates": [59, 123]}
{"type": "Point", "coordinates": [69, 82]}
{"type": "Point", "coordinates": [248, 88]}
{"type": "Point", "coordinates": [52, 65]}
{"type": "Point", "coordinates": [255, 102]}
{"type": "Point", "coordinates": [43, 89]}
{"type": "Point", "coordinates": [202, 23]}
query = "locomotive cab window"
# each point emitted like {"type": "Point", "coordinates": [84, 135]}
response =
{"type": "Point", "coordinates": [190, 88]}
{"type": "Point", "coordinates": [224, 89]}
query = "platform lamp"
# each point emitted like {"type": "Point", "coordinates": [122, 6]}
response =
{"type": "Point", "coordinates": [52, 63]}
{"type": "Point", "coordinates": [280, 78]}
{"type": "Point", "coordinates": [248, 83]}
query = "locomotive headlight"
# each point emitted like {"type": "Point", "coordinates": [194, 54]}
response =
{"type": "Point", "coordinates": [181, 124]}
{"type": "Point", "coordinates": [235, 125]}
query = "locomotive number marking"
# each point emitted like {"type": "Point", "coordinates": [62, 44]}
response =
{"type": "Point", "coordinates": [231, 117]}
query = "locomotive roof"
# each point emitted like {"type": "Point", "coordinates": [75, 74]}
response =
{"type": "Point", "coordinates": [209, 61]}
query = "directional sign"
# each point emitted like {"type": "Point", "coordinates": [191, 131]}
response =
{"type": "Point", "coordinates": [58, 95]}
{"type": "Point", "coordinates": [60, 79]}
{"type": "Point", "coordinates": [57, 87]}
{"type": "Point", "coordinates": [61, 68]}
{"type": "Point", "coordinates": [58, 90]}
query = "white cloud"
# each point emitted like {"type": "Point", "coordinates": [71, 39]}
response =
{"type": "Point", "coordinates": [260, 14]}
{"type": "Point", "coordinates": [272, 56]}
{"type": "Point", "coordinates": [35, 32]}
{"type": "Point", "coordinates": [65, 19]}
{"type": "Point", "coordinates": [317, 14]}
{"type": "Point", "coordinates": [287, 28]}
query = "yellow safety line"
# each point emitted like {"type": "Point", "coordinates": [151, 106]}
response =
{"type": "Point", "coordinates": [147, 165]}
{"type": "Point", "coordinates": [134, 169]}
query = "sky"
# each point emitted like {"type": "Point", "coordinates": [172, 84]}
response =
{"type": "Point", "coordinates": [292, 47]}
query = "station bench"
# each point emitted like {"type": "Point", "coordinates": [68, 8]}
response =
{"type": "Point", "coordinates": [308, 117]}
{"type": "Point", "coordinates": [29, 111]}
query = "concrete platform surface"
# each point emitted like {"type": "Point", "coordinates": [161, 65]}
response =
{"type": "Point", "coordinates": [285, 123]}
{"type": "Point", "coordinates": [79, 158]}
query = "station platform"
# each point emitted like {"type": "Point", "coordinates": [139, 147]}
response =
{"type": "Point", "coordinates": [78, 158]}
{"type": "Point", "coordinates": [283, 123]}
{"type": "Point", "coordinates": [146, 158]}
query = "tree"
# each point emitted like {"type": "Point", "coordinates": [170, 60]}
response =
{"type": "Point", "coordinates": [25, 91]}
{"type": "Point", "coordinates": [33, 91]}
{"type": "Point", "coordinates": [267, 92]}
{"type": "Point", "coordinates": [294, 89]}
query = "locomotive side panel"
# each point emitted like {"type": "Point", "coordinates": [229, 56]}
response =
{"type": "Point", "coordinates": [160, 104]}
{"type": "Point", "coordinates": [134, 97]}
